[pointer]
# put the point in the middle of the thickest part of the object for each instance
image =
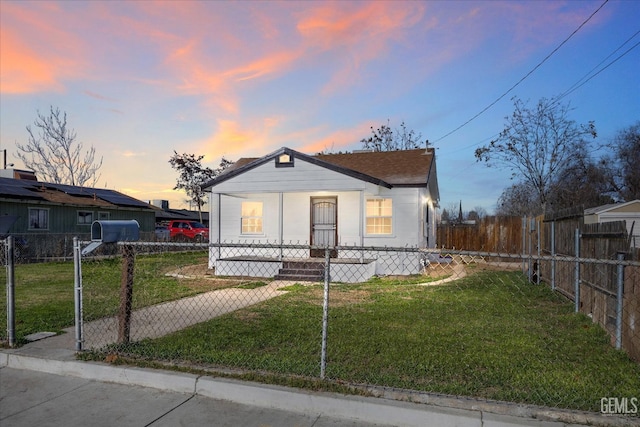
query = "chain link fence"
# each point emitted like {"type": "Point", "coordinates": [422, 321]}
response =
{"type": "Point", "coordinates": [460, 323]}
{"type": "Point", "coordinates": [476, 324]}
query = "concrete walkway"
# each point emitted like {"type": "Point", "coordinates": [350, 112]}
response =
{"type": "Point", "coordinates": [163, 319]}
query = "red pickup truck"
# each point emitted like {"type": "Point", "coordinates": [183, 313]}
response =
{"type": "Point", "coordinates": [183, 230]}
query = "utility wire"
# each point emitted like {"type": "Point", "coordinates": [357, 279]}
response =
{"type": "Point", "coordinates": [526, 75]}
{"type": "Point", "coordinates": [580, 82]}
{"type": "Point", "coordinates": [576, 86]}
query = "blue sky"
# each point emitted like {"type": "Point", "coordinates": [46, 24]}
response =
{"type": "Point", "coordinates": [140, 79]}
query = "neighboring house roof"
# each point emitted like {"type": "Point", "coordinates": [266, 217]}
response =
{"type": "Point", "coordinates": [187, 215]}
{"type": "Point", "coordinates": [65, 194]}
{"type": "Point", "coordinates": [611, 207]}
{"type": "Point", "coordinates": [412, 168]}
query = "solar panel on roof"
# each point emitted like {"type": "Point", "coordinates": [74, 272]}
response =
{"type": "Point", "coordinates": [71, 190]}
{"type": "Point", "coordinates": [20, 192]}
{"type": "Point", "coordinates": [19, 188]}
{"type": "Point", "coordinates": [118, 198]}
{"type": "Point", "coordinates": [29, 189]}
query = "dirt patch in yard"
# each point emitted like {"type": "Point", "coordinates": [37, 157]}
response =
{"type": "Point", "coordinates": [200, 277]}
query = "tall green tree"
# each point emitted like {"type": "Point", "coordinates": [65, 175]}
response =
{"type": "Point", "coordinates": [192, 175]}
{"type": "Point", "coordinates": [55, 155]}
{"type": "Point", "coordinates": [537, 144]}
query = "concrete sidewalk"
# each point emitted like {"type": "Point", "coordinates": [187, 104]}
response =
{"type": "Point", "coordinates": [30, 398]}
{"type": "Point", "coordinates": [42, 383]}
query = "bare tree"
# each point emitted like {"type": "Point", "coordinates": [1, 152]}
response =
{"type": "Point", "coordinates": [583, 182]}
{"type": "Point", "coordinates": [624, 163]}
{"type": "Point", "coordinates": [193, 175]}
{"type": "Point", "coordinates": [536, 145]}
{"type": "Point", "coordinates": [386, 139]}
{"type": "Point", "coordinates": [478, 213]}
{"type": "Point", "coordinates": [53, 153]}
{"type": "Point", "coordinates": [518, 200]}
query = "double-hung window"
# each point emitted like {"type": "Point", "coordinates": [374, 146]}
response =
{"type": "Point", "coordinates": [251, 220]}
{"type": "Point", "coordinates": [38, 219]}
{"type": "Point", "coordinates": [379, 216]}
{"type": "Point", "coordinates": [85, 217]}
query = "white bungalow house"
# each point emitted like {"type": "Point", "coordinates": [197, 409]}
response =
{"type": "Point", "coordinates": [359, 199]}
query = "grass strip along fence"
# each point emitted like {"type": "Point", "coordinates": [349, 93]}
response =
{"type": "Point", "coordinates": [490, 334]}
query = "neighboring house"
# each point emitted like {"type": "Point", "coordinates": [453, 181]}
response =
{"type": "Point", "coordinates": [45, 208]}
{"type": "Point", "coordinates": [372, 199]}
{"type": "Point", "coordinates": [164, 213]}
{"type": "Point", "coordinates": [628, 212]}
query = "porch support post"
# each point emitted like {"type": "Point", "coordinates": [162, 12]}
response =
{"type": "Point", "coordinates": [361, 218]}
{"type": "Point", "coordinates": [281, 222]}
{"type": "Point", "coordinates": [361, 223]}
{"type": "Point", "coordinates": [216, 211]}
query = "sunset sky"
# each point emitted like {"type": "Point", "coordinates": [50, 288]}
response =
{"type": "Point", "coordinates": [140, 79]}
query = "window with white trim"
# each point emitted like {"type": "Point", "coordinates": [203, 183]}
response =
{"type": "Point", "coordinates": [38, 219]}
{"type": "Point", "coordinates": [379, 216]}
{"type": "Point", "coordinates": [251, 219]}
{"type": "Point", "coordinates": [104, 216]}
{"type": "Point", "coordinates": [85, 217]}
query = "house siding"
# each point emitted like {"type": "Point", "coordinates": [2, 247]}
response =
{"type": "Point", "coordinates": [304, 176]}
{"type": "Point", "coordinates": [628, 212]}
{"type": "Point", "coordinates": [64, 218]}
{"type": "Point", "coordinates": [296, 221]}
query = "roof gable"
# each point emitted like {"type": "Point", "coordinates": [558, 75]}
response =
{"type": "Point", "coordinates": [627, 207]}
{"type": "Point", "coordinates": [388, 168]}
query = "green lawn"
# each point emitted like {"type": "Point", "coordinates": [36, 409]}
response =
{"type": "Point", "coordinates": [489, 335]}
{"type": "Point", "coordinates": [44, 292]}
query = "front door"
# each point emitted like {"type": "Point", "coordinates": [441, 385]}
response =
{"type": "Point", "coordinates": [324, 219]}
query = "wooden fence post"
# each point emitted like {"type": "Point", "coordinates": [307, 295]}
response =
{"type": "Point", "coordinates": [126, 295]}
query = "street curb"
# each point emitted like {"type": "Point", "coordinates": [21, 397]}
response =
{"type": "Point", "coordinates": [357, 408]}
{"type": "Point", "coordinates": [163, 380]}
{"type": "Point", "coordinates": [376, 410]}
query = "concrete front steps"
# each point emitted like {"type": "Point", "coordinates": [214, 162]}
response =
{"type": "Point", "coordinates": [303, 271]}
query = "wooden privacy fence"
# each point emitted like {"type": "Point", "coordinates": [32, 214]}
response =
{"type": "Point", "coordinates": [490, 234]}
{"type": "Point", "coordinates": [592, 265]}
{"type": "Point", "coordinates": [602, 281]}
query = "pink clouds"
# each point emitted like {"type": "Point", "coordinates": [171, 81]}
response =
{"type": "Point", "coordinates": [36, 54]}
{"type": "Point", "coordinates": [332, 25]}
{"type": "Point", "coordinates": [338, 140]}
{"type": "Point", "coordinates": [358, 32]}
{"type": "Point", "coordinates": [22, 70]}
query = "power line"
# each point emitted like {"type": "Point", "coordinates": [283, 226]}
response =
{"type": "Point", "coordinates": [576, 86]}
{"type": "Point", "coordinates": [578, 83]}
{"type": "Point", "coordinates": [526, 75]}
